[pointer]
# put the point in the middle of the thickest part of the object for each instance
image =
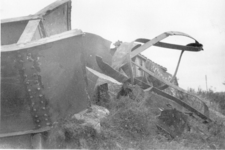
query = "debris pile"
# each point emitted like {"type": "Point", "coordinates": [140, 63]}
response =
{"type": "Point", "coordinates": [116, 96]}
{"type": "Point", "coordinates": [92, 116]}
{"type": "Point", "coordinates": [174, 121]}
{"type": "Point", "coordinates": [129, 121]}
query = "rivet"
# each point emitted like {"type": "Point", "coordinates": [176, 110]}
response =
{"type": "Point", "coordinates": [46, 119]}
{"type": "Point", "coordinates": [45, 115]}
{"type": "Point", "coordinates": [32, 103]}
{"type": "Point", "coordinates": [42, 102]}
{"type": "Point", "coordinates": [39, 125]}
{"type": "Point", "coordinates": [37, 120]}
{"type": "Point", "coordinates": [35, 109]}
{"type": "Point", "coordinates": [27, 82]}
{"type": "Point", "coordinates": [40, 95]}
{"type": "Point", "coordinates": [29, 90]}
{"type": "Point", "coordinates": [31, 96]}
{"type": "Point", "coordinates": [38, 89]}
{"type": "Point", "coordinates": [43, 108]}
{"type": "Point", "coordinates": [36, 116]}
{"type": "Point", "coordinates": [47, 123]}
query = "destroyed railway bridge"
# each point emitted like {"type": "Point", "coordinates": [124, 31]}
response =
{"type": "Point", "coordinates": [46, 72]}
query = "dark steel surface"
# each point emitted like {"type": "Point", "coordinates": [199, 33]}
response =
{"type": "Point", "coordinates": [56, 21]}
{"type": "Point", "coordinates": [15, 110]}
{"type": "Point", "coordinates": [11, 31]}
{"type": "Point", "coordinates": [180, 102]}
{"type": "Point", "coordinates": [94, 45]}
{"type": "Point", "coordinates": [42, 84]}
{"type": "Point", "coordinates": [108, 70]}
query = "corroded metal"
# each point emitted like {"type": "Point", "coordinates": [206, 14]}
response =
{"type": "Point", "coordinates": [42, 84]}
{"type": "Point", "coordinates": [32, 83]}
{"type": "Point", "coordinates": [15, 106]}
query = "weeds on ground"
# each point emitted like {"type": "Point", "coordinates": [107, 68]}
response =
{"type": "Point", "coordinates": [131, 125]}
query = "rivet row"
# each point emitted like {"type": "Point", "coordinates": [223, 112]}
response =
{"type": "Point", "coordinates": [25, 71]}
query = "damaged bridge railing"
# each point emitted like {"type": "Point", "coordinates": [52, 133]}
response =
{"type": "Point", "coordinates": [122, 70]}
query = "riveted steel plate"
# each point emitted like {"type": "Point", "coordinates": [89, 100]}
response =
{"type": "Point", "coordinates": [15, 110]}
{"type": "Point", "coordinates": [42, 84]}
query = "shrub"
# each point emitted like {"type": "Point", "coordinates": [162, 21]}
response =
{"type": "Point", "coordinates": [132, 124]}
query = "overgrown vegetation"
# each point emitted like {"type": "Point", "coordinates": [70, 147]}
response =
{"type": "Point", "coordinates": [132, 125]}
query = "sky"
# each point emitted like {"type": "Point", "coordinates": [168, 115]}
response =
{"type": "Point", "coordinates": [127, 20]}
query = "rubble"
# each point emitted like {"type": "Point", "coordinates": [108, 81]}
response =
{"type": "Point", "coordinates": [50, 72]}
{"type": "Point", "coordinates": [92, 116]}
{"type": "Point", "coordinates": [176, 121]}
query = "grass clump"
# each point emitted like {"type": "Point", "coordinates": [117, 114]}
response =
{"type": "Point", "coordinates": [131, 124]}
{"type": "Point", "coordinates": [72, 135]}
{"type": "Point", "coordinates": [131, 120]}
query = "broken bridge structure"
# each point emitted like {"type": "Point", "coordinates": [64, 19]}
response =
{"type": "Point", "coordinates": [49, 72]}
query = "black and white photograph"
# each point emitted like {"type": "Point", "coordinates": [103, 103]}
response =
{"type": "Point", "coordinates": [112, 74]}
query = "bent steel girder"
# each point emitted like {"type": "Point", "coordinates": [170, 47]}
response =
{"type": "Point", "coordinates": [181, 93]}
{"type": "Point", "coordinates": [42, 82]}
{"type": "Point", "coordinates": [158, 39]}
{"type": "Point", "coordinates": [50, 70]}
{"type": "Point", "coordinates": [56, 17]}
{"type": "Point", "coordinates": [122, 56]}
{"type": "Point", "coordinates": [94, 45]}
{"type": "Point", "coordinates": [182, 103]}
{"type": "Point", "coordinates": [53, 19]}
{"type": "Point", "coordinates": [121, 59]}
{"type": "Point", "coordinates": [196, 98]}
{"type": "Point", "coordinates": [169, 45]}
{"type": "Point", "coordinates": [194, 47]}
{"type": "Point", "coordinates": [108, 70]}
